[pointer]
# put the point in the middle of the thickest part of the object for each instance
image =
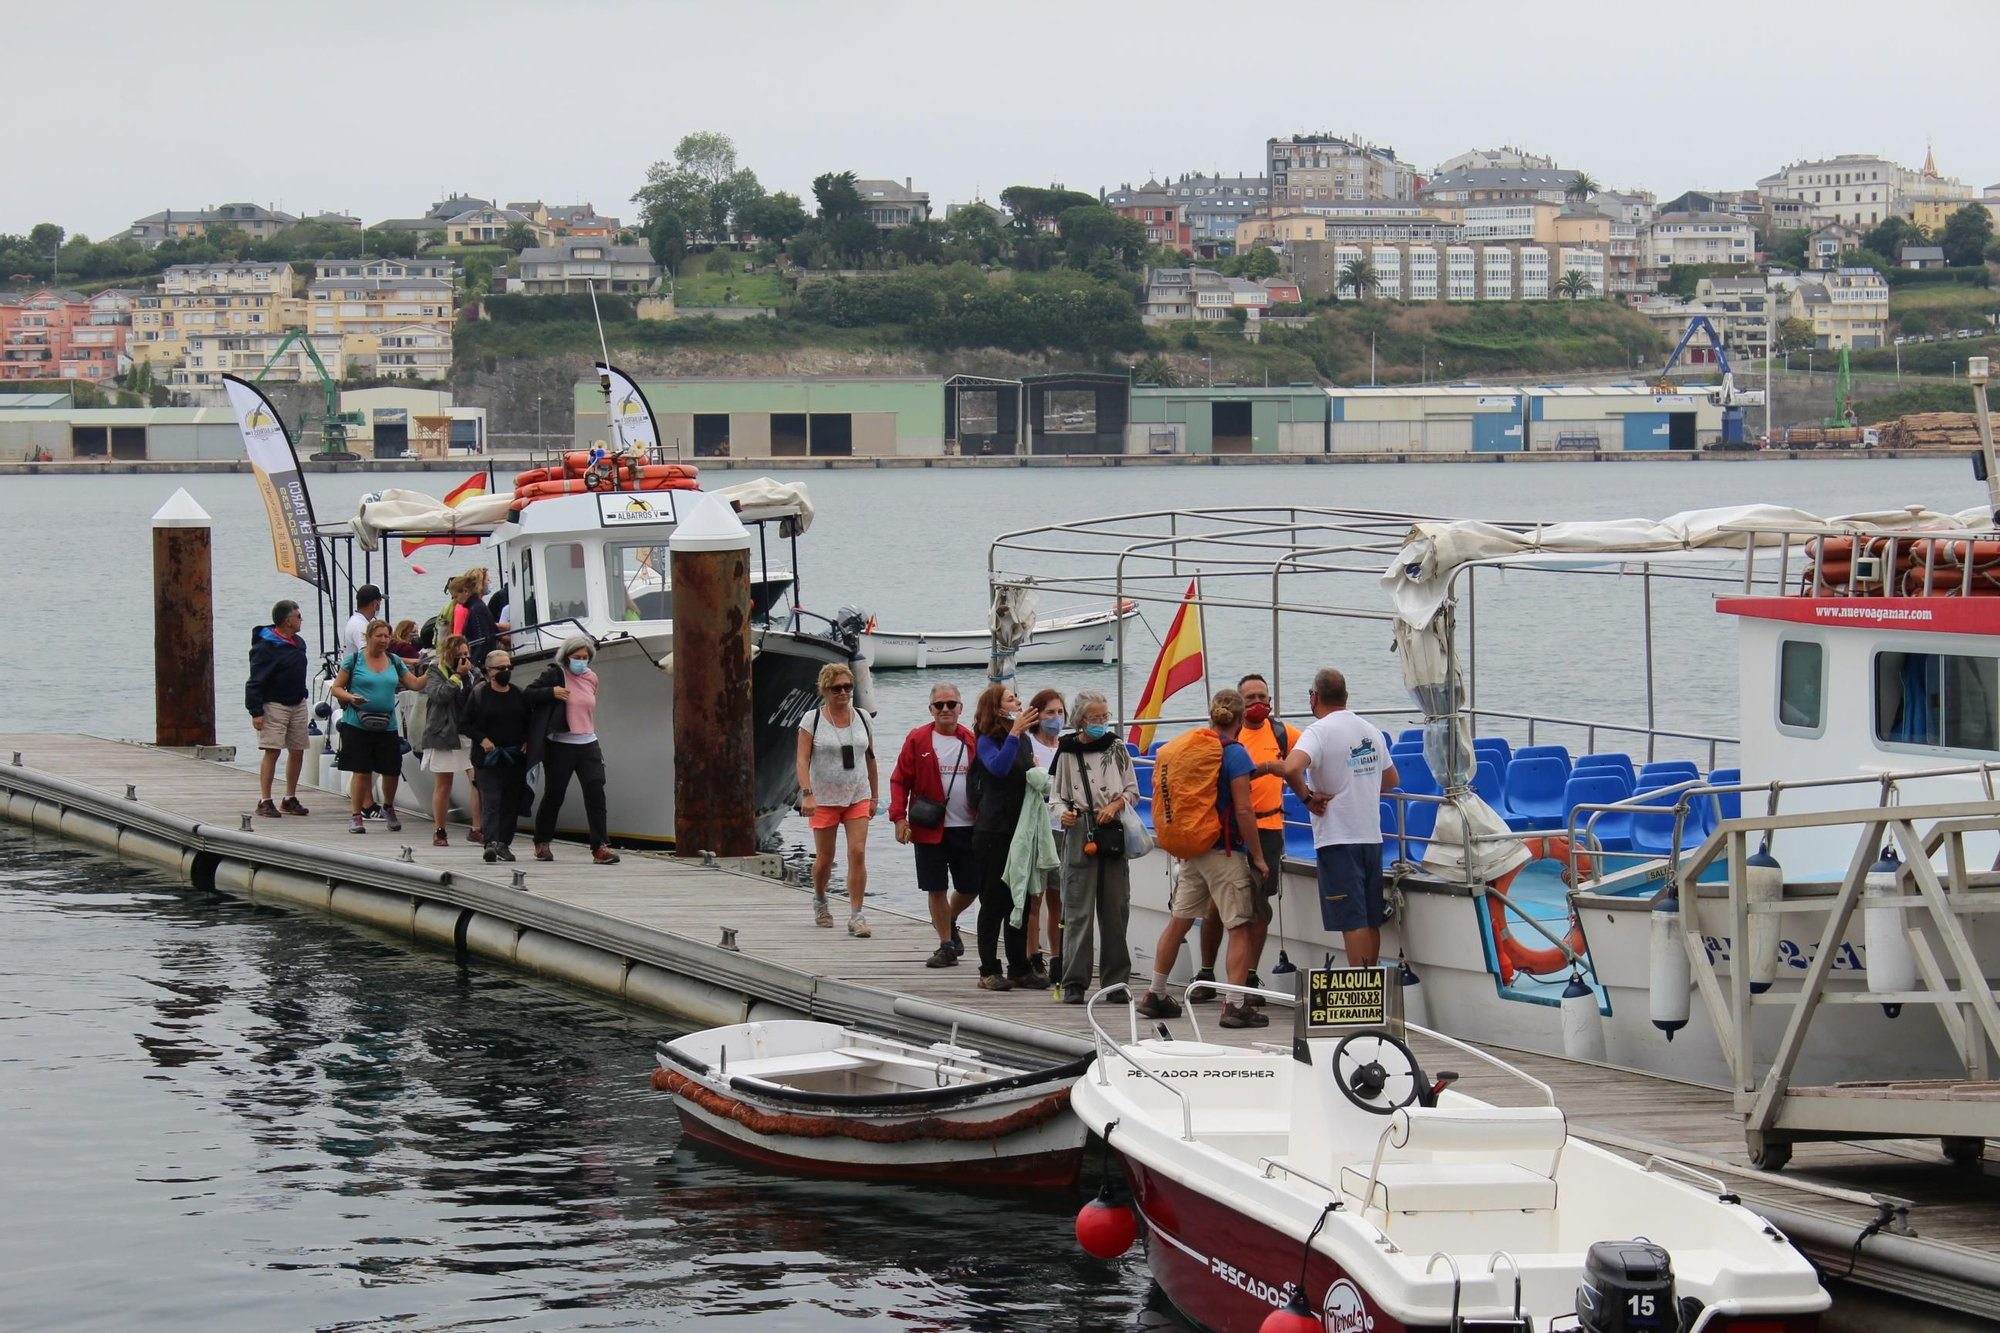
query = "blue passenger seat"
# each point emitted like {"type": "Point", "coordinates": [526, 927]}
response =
{"type": "Point", "coordinates": [1535, 791]}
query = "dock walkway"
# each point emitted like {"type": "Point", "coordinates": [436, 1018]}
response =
{"type": "Point", "coordinates": [649, 931]}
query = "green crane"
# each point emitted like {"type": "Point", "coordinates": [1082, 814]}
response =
{"type": "Point", "coordinates": [1843, 391]}
{"type": "Point", "coordinates": [333, 422]}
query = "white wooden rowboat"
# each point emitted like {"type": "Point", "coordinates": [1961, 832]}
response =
{"type": "Point", "coordinates": [1089, 636]}
{"type": "Point", "coordinates": [822, 1099]}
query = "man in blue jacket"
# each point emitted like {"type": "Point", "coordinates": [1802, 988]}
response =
{"type": "Point", "coordinates": [276, 697]}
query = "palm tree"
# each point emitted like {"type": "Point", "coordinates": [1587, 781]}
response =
{"type": "Point", "coordinates": [1358, 276]}
{"type": "Point", "coordinates": [1575, 285]}
{"type": "Point", "coordinates": [1582, 187]}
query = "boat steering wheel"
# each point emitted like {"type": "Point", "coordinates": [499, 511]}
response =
{"type": "Point", "coordinates": [1366, 1080]}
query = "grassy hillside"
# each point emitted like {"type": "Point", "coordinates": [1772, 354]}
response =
{"type": "Point", "coordinates": [1940, 308]}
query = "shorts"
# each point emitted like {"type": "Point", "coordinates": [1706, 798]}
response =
{"type": "Point", "coordinates": [284, 726]}
{"type": "Point", "coordinates": [370, 751]}
{"type": "Point", "coordinates": [833, 816]}
{"type": "Point", "coordinates": [454, 760]}
{"type": "Point", "coordinates": [948, 863]}
{"type": "Point", "coordinates": [1350, 886]}
{"type": "Point", "coordinates": [1264, 892]}
{"type": "Point", "coordinates": [1218, 877]}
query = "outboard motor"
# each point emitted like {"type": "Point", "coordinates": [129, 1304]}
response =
{"type": "Point", "coordinates": [1628, 1287]}
{"type": "Point", "coordinates": [849, 625]}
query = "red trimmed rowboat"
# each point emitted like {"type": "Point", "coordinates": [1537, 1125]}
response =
{"type": "Point", "coordinates": [821, 1099]}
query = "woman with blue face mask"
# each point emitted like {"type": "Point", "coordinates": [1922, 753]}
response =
{"type": "Point", "coordinates": [566, 695]}
{"type": "Point", "coordinates": [1092, 784]}
{"type": "Point", "coordinates": [1045, 908]}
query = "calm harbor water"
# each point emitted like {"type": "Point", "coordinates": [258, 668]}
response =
{"type": "Point", "coordinates": [227, 1117]}
{"type": "Point", "coordinates": [222, 1117]}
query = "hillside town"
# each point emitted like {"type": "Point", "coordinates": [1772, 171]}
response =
{"type": "Point", "coordinates": [1803, 261]}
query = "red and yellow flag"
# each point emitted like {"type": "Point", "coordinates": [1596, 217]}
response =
{"type": "Point", "coordinates": [1178, 666]}
{"type": "Point", "coordinates": [473, 485]}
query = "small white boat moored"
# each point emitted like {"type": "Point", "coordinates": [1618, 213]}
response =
{"type": "Point", "coordinates": [822, 1099]}
{"type": "Point", "coordinates": [1088, 636]}
{"type": "Point", "coordinates": [1337, 1182]}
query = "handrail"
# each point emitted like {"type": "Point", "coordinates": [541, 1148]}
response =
{"type": "Point", "coordinates": [1102, 1037]}
{"type": "Point", "coordinates": [1548, 1093]}
{"type": "Point", "coordinates": [1271, 1164]}
{"type": "Point", "coordinates": [1231, 988]}
{"type": "Point", "coordinates": [1667, 1165]}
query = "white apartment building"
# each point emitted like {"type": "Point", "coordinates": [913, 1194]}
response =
{"type": "Point", "coordinates": [1699, 238]}
{"type": "Point", "coordinates": [211, 354]}
{"type": "Point", "coordinates": [1848, 307]}
{"type": "Point", "coordinates": [1407, 271]}
{"type": "Point", "coordinates": [1501, 222]}
{"type": "Point", "coordinates": [1329, 167]}
{"type": "Point", "coordinates": [271, 279]}
{"type": "Point", "coordinates": [1859, 189]}
{"type": "Point", "coordinates": [415, 351]}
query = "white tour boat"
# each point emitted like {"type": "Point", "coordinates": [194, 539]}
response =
{"type": "Point", "coordinates": [595, 563]}
{"type": "Point", "coordinates": [1729, 917]}
{"type": "Point", "coordinates": [822, 1099]}
{"type": "Point", "coordinates": [1337, 1182]}
{"type": "Point", "coordinates": [1083, 636]}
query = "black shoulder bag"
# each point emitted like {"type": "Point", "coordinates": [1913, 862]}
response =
{"type": "Point", "coordinates": [1110, 838]}
{"type": "Point", "coordinates": [926, 813]}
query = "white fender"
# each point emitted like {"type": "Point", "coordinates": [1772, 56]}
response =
{"type": "Point", "coordinates": [1667, 967]}
{"type": "Point", "coordinates": [1583, 1026]}
{"type": "Point", "coordinates": [1765, 884]}
{"type": "Point", "coordinates": [1889, 962]}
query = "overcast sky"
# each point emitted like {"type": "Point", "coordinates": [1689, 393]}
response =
{"type": "Point", "coordinates": [377, 109]}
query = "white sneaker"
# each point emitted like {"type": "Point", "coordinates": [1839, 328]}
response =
{"type": "Point", "coordinates": [857, 925]}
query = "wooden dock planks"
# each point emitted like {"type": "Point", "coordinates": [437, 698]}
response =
{"type": "Point", "coordinates": [773, 921]}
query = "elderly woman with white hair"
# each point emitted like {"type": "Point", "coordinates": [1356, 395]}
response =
{"type": "Point", "coordinates": [566, 694]}
{"type": "Point", "coordinates": [1092, 784]}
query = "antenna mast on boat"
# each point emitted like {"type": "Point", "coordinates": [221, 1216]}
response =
{"type": "Point", "coordinates": [615, 432]}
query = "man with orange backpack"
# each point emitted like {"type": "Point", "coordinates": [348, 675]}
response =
{"type": "Point", "coordinates": [1203, 816]}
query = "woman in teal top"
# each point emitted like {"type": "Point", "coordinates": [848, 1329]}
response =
{"type": "Point", "coordinates": [369, 742]}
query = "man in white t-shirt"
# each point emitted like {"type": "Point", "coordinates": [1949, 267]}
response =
{"type": "Point", "coordinates": [1347, 757]}
{"type": "Point", "coordinates": [367, 605]}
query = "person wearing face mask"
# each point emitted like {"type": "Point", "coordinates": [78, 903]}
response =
{"type": "Point", "coordinates": [1094, 785]}
{"type": "Point", "coordinates": [567, 694]}
{"type": "Point", "coordinates": [495, 727]}
{"type": "Point", "coordinates": [1047, 904]}
{"type": "Point", "coordinates": [1268, 740]}
{"type": "Point", "coordinates": [447, 685]}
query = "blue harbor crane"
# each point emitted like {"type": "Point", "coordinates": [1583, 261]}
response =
{"type": "Point", "coordinates": [1726, 395]}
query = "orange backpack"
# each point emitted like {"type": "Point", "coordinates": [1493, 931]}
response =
{"type": "Point", "coordinates": [1186, 779]}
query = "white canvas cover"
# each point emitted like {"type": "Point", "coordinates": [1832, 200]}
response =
{"type": "Point", "coordinates": [477, 516]}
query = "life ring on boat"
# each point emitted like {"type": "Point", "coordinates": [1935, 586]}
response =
{"type": "Point", "coordinates": [543, 490]}
{"type": "Point", "coordinates": [1515, 957]}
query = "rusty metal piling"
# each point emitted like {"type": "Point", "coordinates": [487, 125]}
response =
{"type": "Point", "coordinates": [714, 751]}
{"type": "Point", "coordinates": [183, 625]}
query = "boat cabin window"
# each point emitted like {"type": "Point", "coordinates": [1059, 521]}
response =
{"type": "Point", "coordinates": [530, 608]}
{"type": "Point", "coordinates": [635, 578]}
{"type": "Point", "coordinates": [1943, 700]}
{"type": "Point", "coordinates": [562, 562]}
{"type": "Point", "coordinates": [1801, 685]}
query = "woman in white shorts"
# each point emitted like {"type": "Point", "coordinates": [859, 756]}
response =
{"type": "Point", "coordinates": [446, 687]}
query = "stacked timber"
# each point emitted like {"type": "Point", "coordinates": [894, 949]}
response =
{"type": "Point", "coordinates": [1932, 430]}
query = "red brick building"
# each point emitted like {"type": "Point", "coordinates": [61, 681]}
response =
{"type": "Point", "coordinates": [1164, 217]}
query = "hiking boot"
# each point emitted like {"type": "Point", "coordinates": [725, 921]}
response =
{"type": "Point", "coordinates": [492, 854]}
{"type": "Point", "coordinates": [604, 856]}
{"type": "Point", "coordinates": [506, 852]}
{"type": "Point", "coordinates": [1119, 996]}
{"type": "Point", "coordinates": [354, 825]}
{"type": "Point", "coordinates": [995, 982]}
{"type": "Point", "coordinates": [438, 839]}
{"type": "Point", "coordinates": [943, 957]}
{"type": "Point", "coordinates": [1155, 1005]}
{"type": "Point", "coordinates": [1243, 1016]}
{"type": "Point", "coordinates": [268, 809]}
{"type": "Point", "coordinates": [1029, 981]}
{"type": "Point", "coordinates": [822, 914]}
{"type": "Point", "coordinates": [957, 941]}
{"type": "Point", "coordinates": [290, 805]}
{"type": "Point", "coordinates": [476, 836]}
{"type": "Point", "coordinates": [1255, 1001]}
{"type": "Point", "coordinates": [857, 925]}
{"type": "Point", "coordinates": [1069, 997]}
{"type": "Point", "coordinates": [1199, 994]}
{"type": "Point", "coordinates": [1039, 966]}
{"type": "Point", "coordinates": [542, 852]}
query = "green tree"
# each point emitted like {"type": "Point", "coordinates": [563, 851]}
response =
{"type": "Point", "coordinates": [1258, 264]}
{"type": "Point", "coordinates": [1089, 230]}
{"type": "Point", "coordinates": [1359, 277]}
{"type": "Point", "coordinates": [1793, 335]}
{"type": "Point", "coordinates": [1891, 234]}
{"type": "Point", "coordinates": [388, 244]}
{"type": "Point", "coordinates": [435, 239]}
{"type": "Point", "coordinates": [45, 238]}
{"type": "Point", "coordinates": [1156, 370]}
{"type": "Point", "coordinates": [1579, 190]}
{"type": "Point", "coordinates": [1865, 259]}
{"type": "Point", "coordinates": [1575, 285]}
{"type": "Point", "coordinates": [837, 195]}
{"type": "Point", "coordinates": [775, 217]}
{"type": "Point", "coordinates": [1967, 233]}
{"type": "Point", "coordinates": [1787, 248]}
{"type": "Point", "coordinates": [694, 184]}
{"type": "Point", "coordinates": [730, 200]}
{"type": "Point", "coordinates": [518, 236]}
{"type": "Point", "coordinates": [1032, 206]}
{"type": "Point", "coordinates": [476, 275]}
{"type": "Point", "coordinates": [854, 239]}
{"type": "Point", "coordinates": [919, 242]}
{"type": "Point", "coordinates": [666, 237]}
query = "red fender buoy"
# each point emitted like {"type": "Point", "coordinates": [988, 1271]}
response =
{"type": "Point", "coordinates": [1105, 1229]}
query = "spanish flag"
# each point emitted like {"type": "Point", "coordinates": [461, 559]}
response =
{"type": "Point", "coordinates": [472, 486]}
{"type": "Point", "coordinates": [1178, 666]}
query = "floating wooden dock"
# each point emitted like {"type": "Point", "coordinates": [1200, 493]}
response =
{"type": "Point", "coordinates": [651, 931]}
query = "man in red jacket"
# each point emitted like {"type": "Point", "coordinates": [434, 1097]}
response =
{"type": "Point", "coordinates": [933, 774]}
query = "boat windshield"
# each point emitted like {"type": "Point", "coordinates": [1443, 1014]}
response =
{"type": "Point", "coordinates": [635, 581]}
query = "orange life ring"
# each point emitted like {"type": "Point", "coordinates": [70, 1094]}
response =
{"type": "Point", "coordinates": [1515, 957]}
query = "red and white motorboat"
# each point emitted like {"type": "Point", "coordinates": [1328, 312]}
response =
{"type": "Point", "coordinates": [822, 1099]}
{"type": "Point", "coordinates": [1336, 1183]}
